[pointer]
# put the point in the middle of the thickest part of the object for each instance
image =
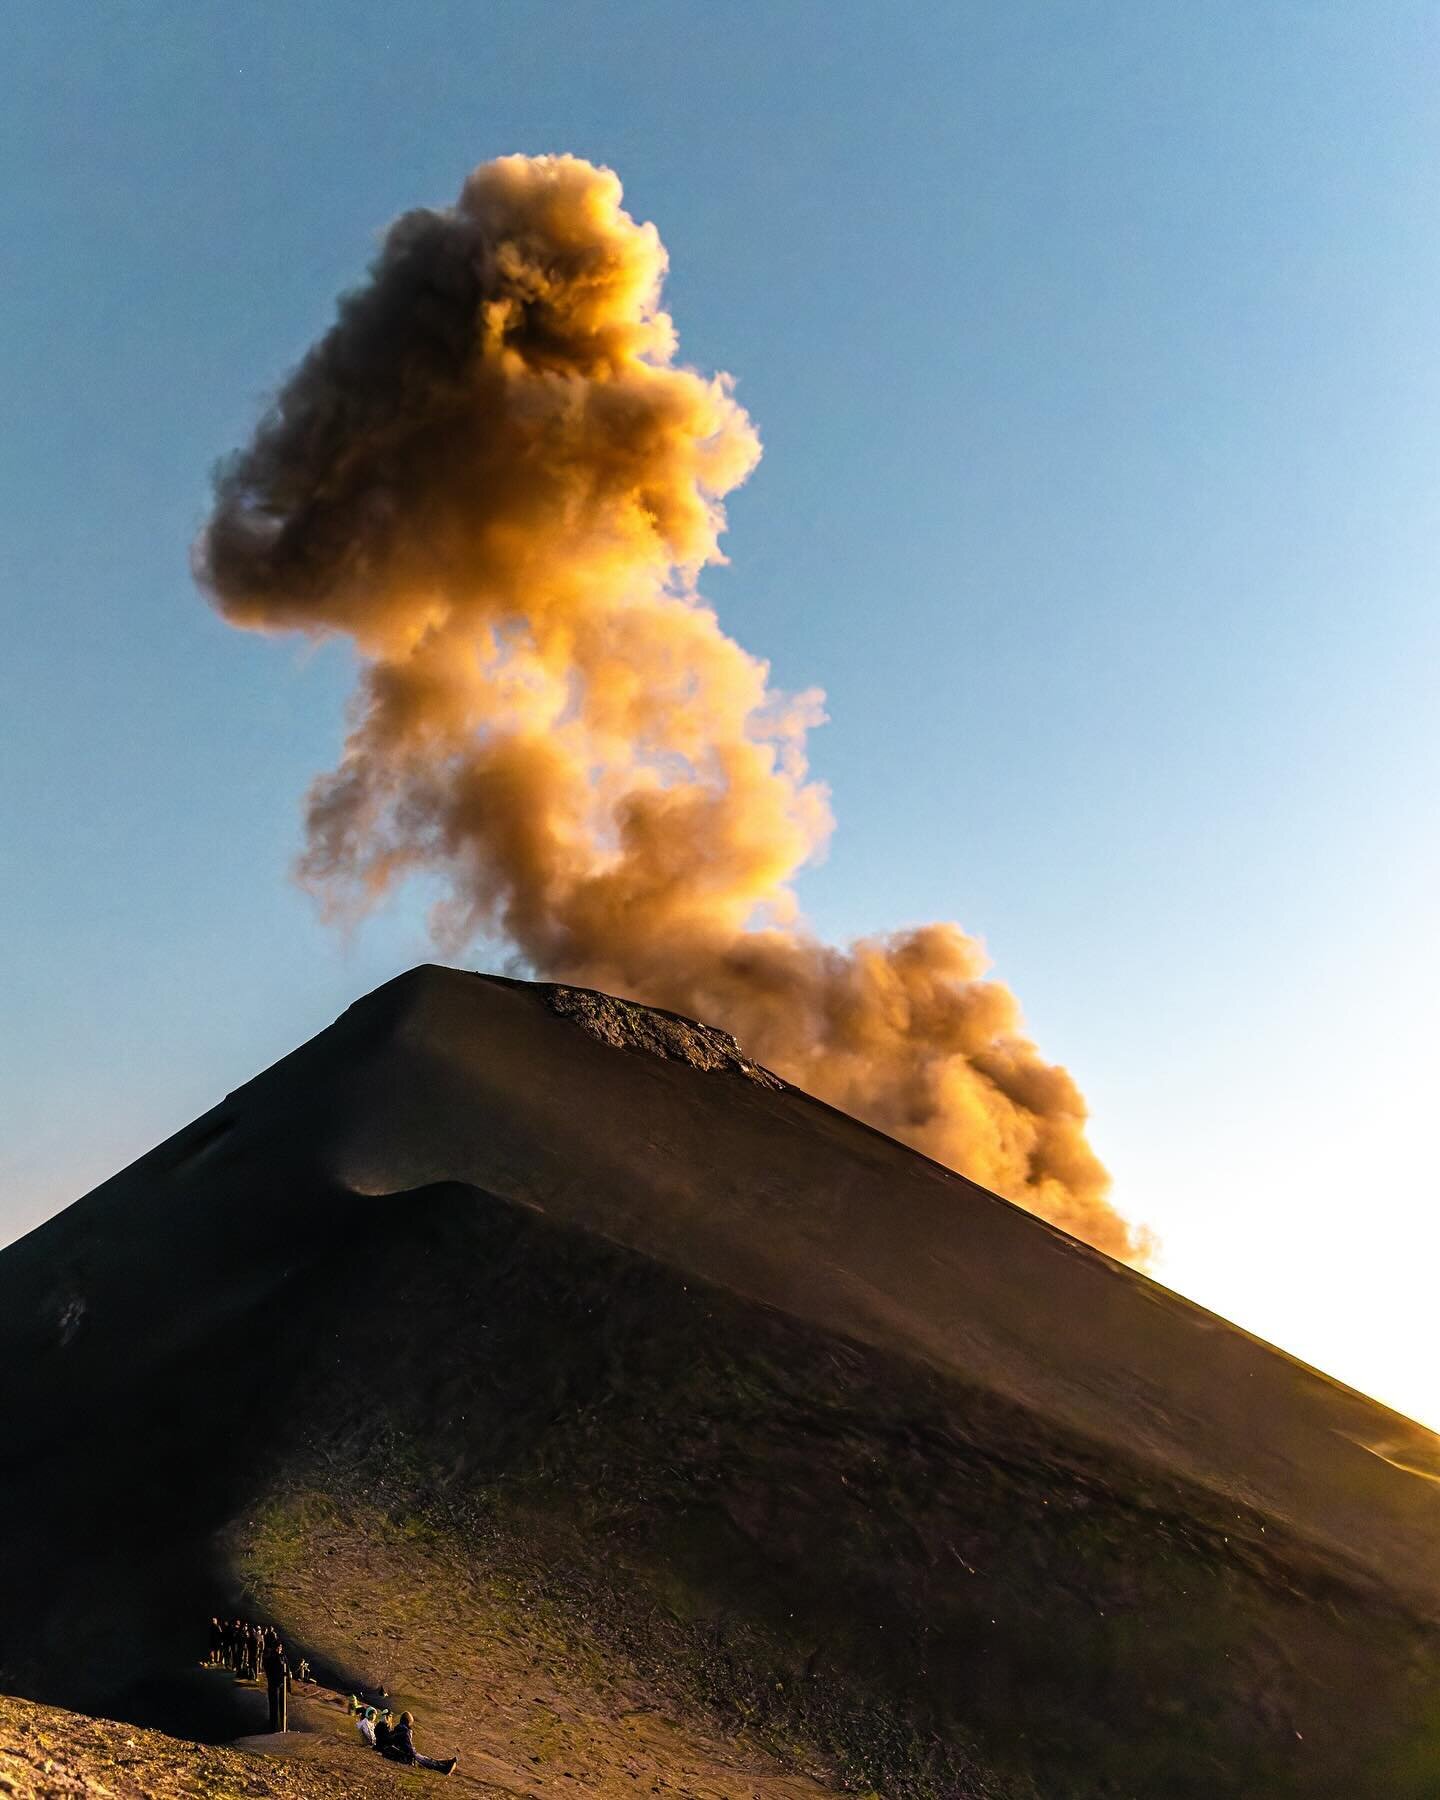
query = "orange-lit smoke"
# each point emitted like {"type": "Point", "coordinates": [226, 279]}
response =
{"type": "Point", "coordinates": [492, 475]}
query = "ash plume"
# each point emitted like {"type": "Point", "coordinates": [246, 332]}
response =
{"type": "Point", "coordinates": [492, 475]}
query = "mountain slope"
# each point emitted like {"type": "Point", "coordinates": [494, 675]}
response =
{"type": "Point", "coordinates": [709, 1399]}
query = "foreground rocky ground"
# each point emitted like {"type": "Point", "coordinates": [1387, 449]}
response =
{"type": "Point", "coordinates": [50, 1754]}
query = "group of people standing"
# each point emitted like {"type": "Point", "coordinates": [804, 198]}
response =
{"type": "Point", "coordinates": [254, 1653]}
{"type": "Point", "coordinates": [238, 1645]}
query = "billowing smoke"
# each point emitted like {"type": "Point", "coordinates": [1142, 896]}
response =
{"type": "Point", "coordinates": [493, 477]}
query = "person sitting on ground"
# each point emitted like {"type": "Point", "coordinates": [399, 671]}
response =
{"type": "Point", "coordinates": [302, 1670]}
{"type": "Point", "coordinates": [401, 1748]}
{"type": "Point", "coordinates": [384, 1731]}
{"type": "Point", "coordinates": [365, 1725]}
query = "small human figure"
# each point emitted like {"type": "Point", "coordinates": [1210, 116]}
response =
{"type": "Point", "coordinates": [217, 1642]}
{"type": "Point", "coordinates": [277, 1674]}
{"type": "Point", "coordinates": [401, 1748]}
{"type": "Point", "coordinates": [302, 1670]}
{"type": "Point", "coordinates": [365, 1725]}
{"type": "Point", "coordinates": [384, 1731]}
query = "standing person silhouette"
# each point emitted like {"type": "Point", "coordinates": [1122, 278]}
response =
{"type": "Point", "coordinates": [277, 1672]}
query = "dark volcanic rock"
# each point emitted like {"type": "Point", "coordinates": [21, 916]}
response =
{"type": "Point", "coordinates": [624, 1025]}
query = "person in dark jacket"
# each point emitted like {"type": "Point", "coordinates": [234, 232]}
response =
{"type": "Point", "coordinates": [217, 1642]}
{"type": "Point", "coordinates": [384, 1731]}
{"type": "Point", "coordinates": [277, 1673]}
{"type": "Point", "coordinates": [401, 1748]}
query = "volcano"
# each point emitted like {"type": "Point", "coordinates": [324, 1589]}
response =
{"type": "Point", "coordinates": [539, 1356]}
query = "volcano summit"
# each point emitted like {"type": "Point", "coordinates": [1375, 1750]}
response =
{"type": "Point", "coordinates": [543, 1358]}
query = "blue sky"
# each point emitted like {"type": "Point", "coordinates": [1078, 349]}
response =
{"type": "Point", "coordinates": [1094, 352]}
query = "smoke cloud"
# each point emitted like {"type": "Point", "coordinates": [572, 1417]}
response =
{"type": "Point", "coordinates": [492, 475]}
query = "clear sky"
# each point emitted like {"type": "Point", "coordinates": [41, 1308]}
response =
{"type": "Point", "coordinates": [1095, 353]}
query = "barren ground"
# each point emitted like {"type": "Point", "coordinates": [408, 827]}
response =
{"type": "Point", "coordinates": [49, 1754]}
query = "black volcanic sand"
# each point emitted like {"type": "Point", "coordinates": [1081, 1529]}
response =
{"type": "Point", "coordinates": [465, 1344]}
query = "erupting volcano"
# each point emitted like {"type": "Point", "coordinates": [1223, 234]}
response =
{"type": "Point", "coordinates": [492, 475]}
{"type": "Point", "coordinates": [582, 1362]}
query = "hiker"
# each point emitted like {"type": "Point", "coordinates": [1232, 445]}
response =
{"type": "Point", "coordinates": [302, 1670]}
{"type": "Point", "coordinates": [277, 1674]}
{"type": "Point", "coordinates": [365, 1725]}
{"type": "Point", "coordinates": [401, 1748]}
{"type": "Point", "coordinates": [384, 1731]}
{"type": "Point", "coordinates": [217, 1642]}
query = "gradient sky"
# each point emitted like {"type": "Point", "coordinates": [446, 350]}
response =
{"type": "Point", "coordinates": [1095, 353]}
